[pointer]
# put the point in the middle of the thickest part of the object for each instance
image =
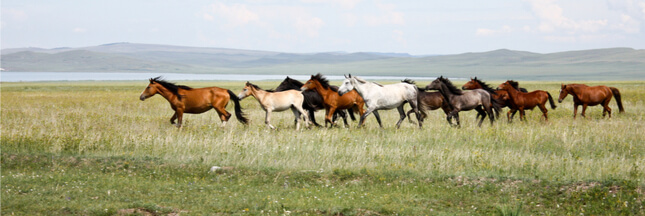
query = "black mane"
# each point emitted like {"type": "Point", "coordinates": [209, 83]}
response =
{"type": "Point", "coordinates": [322, 80]}
{"type": "Point", "coordinates": [172, 87]}
{"type": "Point", "coordinates": [408, 81]}
{"type": "Point", "coordinates": [450, 86]}
{"type": "Point", "coordinates": [485, 86]}
{"type": "Point", "coordinates": [516, 85]}
{"type": "Point", "coordinates": [288, 84]}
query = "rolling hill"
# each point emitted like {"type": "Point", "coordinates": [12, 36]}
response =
{"type": "Point", "coordinates": [598, 64]}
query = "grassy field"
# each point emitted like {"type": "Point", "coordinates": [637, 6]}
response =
{"type": "Point", "coordinates": [93, 148]}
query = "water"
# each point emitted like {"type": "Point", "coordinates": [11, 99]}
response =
{"type": "Point", "coordinates": [98, 76]}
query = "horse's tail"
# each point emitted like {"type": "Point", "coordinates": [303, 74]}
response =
{"type": "Point", "coordinates": [618, 99]}
{"type": "Point", "coordinates": [551, 100]}
{"type": "Point", "coordinates": [238, 109]}
{"type": "Point", "coordinates": [351, 113]}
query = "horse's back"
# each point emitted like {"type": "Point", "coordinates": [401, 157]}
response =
{"type": "Point", "coordinates": [593, 95]}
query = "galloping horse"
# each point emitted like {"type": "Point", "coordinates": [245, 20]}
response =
{"type": "Point", "coordinates": [184, 99]}
{"type": "Point", "coordinates": [590, 96]}
{"type": "Point", "coordinates": [276, 101]}
{"type": "Point", "coordinates": [478, 99]}
{"type": "Point", "coordinates": [382, 97]}
{"type": "Point", "coordinates": [500, 97]}
{"type": "Point", "coordinates": [429, 101]}
{"type": "Point", "coordinates": [332, 100]}
{"type": "Point", "coordinates": [313, 101]}
{"type": "Point", "coordinates": [523, 101]}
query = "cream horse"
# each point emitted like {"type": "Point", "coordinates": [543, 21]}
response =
{"type": "Point", "coordinates": [277, 101]}
{"type": "Point", "coordinates": [383, 97]}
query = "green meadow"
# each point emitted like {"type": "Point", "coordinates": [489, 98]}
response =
{"type": "Point", "coordinates": [93, 148]}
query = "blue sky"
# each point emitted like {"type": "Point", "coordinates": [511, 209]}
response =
{"type": "Point", "coordinates": [415, 27]}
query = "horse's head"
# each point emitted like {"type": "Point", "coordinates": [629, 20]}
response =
{"type": "Point", "coordinates": [151, 89]}
{"type": "Point", "coordinates": [563, 93]}
{"type": "Point", "coordinates": [434, 85]}
{"type": "Point", "coordinates": [505, 86]}
{"type": "Point", "coordinates": [288, 84]}
{"type": "Point", "coordinates": [247, 90]}
{"type": "Point", "coordinates": [310, 84]}
{"type": "Point", "coordinates": [472, 84]}
{"type": "Point", "coordinates": [348, 85]}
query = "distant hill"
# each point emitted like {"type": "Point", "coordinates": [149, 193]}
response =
{"type": "Point", "coordinates": [598, 64]}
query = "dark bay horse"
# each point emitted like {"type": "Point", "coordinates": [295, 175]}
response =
{"type": "Point", "coordinates": [500, 97]}
{"type": "Point", "coordinates": [184, 99]}
{"type": "Point", "coordinates": [591, 96]}
{"type": "Point", "coordinates": [332, 101]}
{"type": "Point", "coordinates": [429, 101]}
{"type": "Point", "coordinates": [313, 101]}
{"type": "Point", "coordinates": [523, 101]}
{"type": "Point", "coordinates": [478, 99]}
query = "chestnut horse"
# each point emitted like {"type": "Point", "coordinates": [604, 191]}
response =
{"type": "Point", "coordinates": [277, 101]}
{"type": "Point", "coordinates": [590, 96]}
{"type": "Point", "coordinates": [332, 101]}
{"type": "Point", "coordinates": [184, 99]}
{"type": "Point", "coordinates": [500, 97]}
{"type": "Point", "coordinates": [523, 101]}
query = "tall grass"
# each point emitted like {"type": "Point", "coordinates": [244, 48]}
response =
{"type": "Point", "coordinates": [107, 119]}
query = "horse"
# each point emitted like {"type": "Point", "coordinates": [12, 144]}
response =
{"type": "Point", "coordinates": [500, 97]}
{"type": "Point", "coordinates": [429, 101]}
{"type": "Point", "coordinates": [313, 101]}
{"type": "Point", "coordinates": [382, 97]}
{"type": "Point", "coordinates": [590, 96]}
{"type": "Point", "coordinates": [523, 101]}
{"type": "Point", "coordinates": [478, 99]}
{"type": "Point", "coordinates": [184, 99]}
{"type": "Point", "coordinates": [332, 100]}
{"type": "Point", "coordinates": [276, 101]}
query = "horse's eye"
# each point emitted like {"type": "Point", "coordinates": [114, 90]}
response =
{"type": "Point", "coordinates": [148, 87]}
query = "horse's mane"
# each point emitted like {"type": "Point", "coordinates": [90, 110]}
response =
{"type": "Point", "coordinates": [322, 80]}
{"type": "Point", "coordinates": [452, 88]}
{"type": "Point", "coordinates": [408, 81]}
{"type": "Point", "coordinates": [485, 86]}
{"type": "Point", "coordinates": [258, 87]}
{"type": "Point", "coordinates": [172, 87]}
{"type": "Point", "coordinates": [516, 85]}
{"type": "Point", "coordinates": [363, 81]}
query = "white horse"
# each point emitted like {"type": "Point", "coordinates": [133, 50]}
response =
{"type": "Point", "coordinates": [277, 101]}
{"type": "Point", "coordinates": [383, 97]}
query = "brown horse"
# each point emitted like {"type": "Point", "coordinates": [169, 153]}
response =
{"type": "Point", "coordinates": [184, 99]}
{"type": "Point", "coordinates": [429, 101]}
{"type": "Point", "coordinates": [590, 96]}
{"type": "Point", "coordinates": [529, 100]}
{"type": "Point", "coordinates": [332, 101]}
{"type": "Point", "coordinates": [500, 97]}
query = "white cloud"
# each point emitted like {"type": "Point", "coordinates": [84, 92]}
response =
{"type": "Point", "coordinates": [552, 18]}
{"type": "Point", "coordinates": [235, 14]}
{"type": "Point", "coordinates": [397, 35]}
{"type": "Point", "coordinates": [79, 30]}
{"type": "Point", "coordinates": [309, 26]}
{"type": "Point", "coordinates": [345, 4]}
{"type": "Point", "coordinates": [492, 32]}
{"type": "Point", "coordinates": [388, 15]}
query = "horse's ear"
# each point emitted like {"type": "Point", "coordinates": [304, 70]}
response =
{"type": "Point", "coordinates": [350, 75]}
{"type": "Point", "coordinates": [151, 81]}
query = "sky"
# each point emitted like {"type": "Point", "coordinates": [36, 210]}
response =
{"type": "Point", "coordinates": [418, 27]}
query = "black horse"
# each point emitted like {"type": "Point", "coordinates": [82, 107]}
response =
{"type": "Point", "coordinates": [313, 101]}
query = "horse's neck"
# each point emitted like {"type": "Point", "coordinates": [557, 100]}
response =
{"type": "Point", "coordinates": [322, 90]}
{"type": "Point", "coordinates": [513, 93]}
{"type": "Point", "coordinates": [576, 91]}
{"type": "Point", "coordinates": [447, 95]}
{"type": "Point", "coordinates": [260, 95]}
{"type": "Point", "coordinates": [170, 97]}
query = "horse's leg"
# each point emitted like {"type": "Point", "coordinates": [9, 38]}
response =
{"type": "Point", "coordinates": [512, 114]}
{"type": "Point", "coordinates": [312, 117]}
{"type": "Point", "coordinates": [305, 117]}
{"type": "Point", "coordinates": [344, 116]}
{"type": "Point", "coordinates": [297, 116]}
{"type": "Point", "coordinates": [180, 117]}
{"type": "Point", "coordinates": [457, 119]}
{"type": "Point", "coordinates": [606, 108]}
{"type": "Point", "coordinates": [173, 118]}
{"type": "Point", "coordinates": [584, 109]}
{"type": "Point", "coordinates": [378, 118]}
{"type": "Point", "coordinates": [575, 110]}
{"type": "Point", "coordinates": [522, 114]}
{"type": "Point", "coordinates": [328, 115]}
{"type": "Point", "coordinates": [415, 107]}
{"type": "Point", "coordinates": [482, 113]}
{"type": "Point", "coordinates": [267, 119]}
{"type": "Point", "coordinates": [401, 116]}
{"type": "Point", "coordinates": [544, 111]}
{"type": "Point", "coordinates": [367, 112]}
{"type": "Point", "coordinates": [223, 115]}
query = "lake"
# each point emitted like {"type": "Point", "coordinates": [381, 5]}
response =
{"type": "Point", "coordinates": [116, 76]}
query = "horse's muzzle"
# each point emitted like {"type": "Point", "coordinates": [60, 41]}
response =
{"type": "Point", "coordinates": [559, 100]}
{"type": "Point", "coordinates": [142, 97]}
